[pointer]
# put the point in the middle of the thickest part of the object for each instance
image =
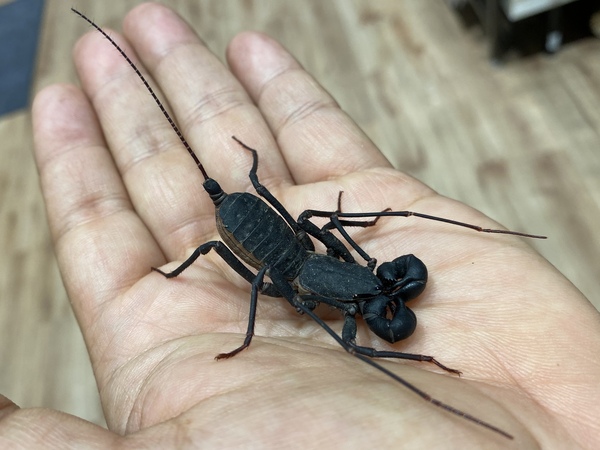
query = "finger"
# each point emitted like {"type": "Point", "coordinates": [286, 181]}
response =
{"type": "Point", "coordinates": [319, 141]}
{"type": "Point", "coordinates": [210, 104]}
{"type": "Point", "coordinates": [161, 179]}
{"type": "Point", "coordinates": [102, 246]}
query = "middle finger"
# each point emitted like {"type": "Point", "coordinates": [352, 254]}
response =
{"type": "Point", "coordinates": [210, 103]}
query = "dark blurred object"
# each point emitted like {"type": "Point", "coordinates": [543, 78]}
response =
{"type": "Point", "coordinates": [595, 24]}
{"type": "Point", "coordinates": [528, 26]}
{"type": "Point", "coordinates": [19, 30]}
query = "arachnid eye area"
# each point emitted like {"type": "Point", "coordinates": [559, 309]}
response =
{"type": "Point", "coordinates": [213, 189]}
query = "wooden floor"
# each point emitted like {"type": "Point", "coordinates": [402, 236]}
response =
{"type": "Point", "coordinates": [520, 142]}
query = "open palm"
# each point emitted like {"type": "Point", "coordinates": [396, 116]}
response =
{"type": "Point", "coordinates": [123, 195]}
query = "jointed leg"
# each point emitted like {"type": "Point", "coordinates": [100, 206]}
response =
{"type": "Point", "coordinates": [334, 245]}
{"type": "Point", "coordinates": [256, 284]}
{"type": "Point", "coordinates": [388, 213]}
{"type": "Point", "coordinates": [286, 290]}
{"type": "Point", "coordinates": [270, 198]}
{"type": "Point", "coordinates": [229, 258]}
{"type": "Point", "coordinates": [350, 329]}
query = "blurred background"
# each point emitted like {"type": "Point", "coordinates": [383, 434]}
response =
{"type": "Point", "coordinates": [494, 103]}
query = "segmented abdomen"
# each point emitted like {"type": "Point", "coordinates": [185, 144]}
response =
{"type": "Point", "coordinates": [258, 235]}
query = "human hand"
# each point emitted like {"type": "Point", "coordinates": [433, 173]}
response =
{"type": "Point", "coordinates": [123, 195]}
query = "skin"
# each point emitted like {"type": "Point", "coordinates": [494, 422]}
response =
{"type": "Point", "coordinates": [123, 195]}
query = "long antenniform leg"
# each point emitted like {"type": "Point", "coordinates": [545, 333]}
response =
{"type": "Point", "coordinates": [290, 296]}
{"type": "Point", "coordinates": [335, 214]}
